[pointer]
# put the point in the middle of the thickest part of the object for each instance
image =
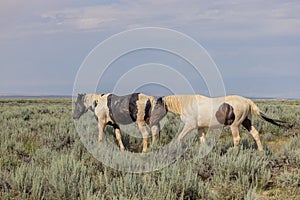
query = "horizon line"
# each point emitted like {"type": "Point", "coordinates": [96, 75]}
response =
{"type": "Point", "coordinates": [34, 96]}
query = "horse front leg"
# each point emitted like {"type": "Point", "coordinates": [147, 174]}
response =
{"type": "Point", "coordinates": [101, 126]}
{"type": "Point", "coordinates": [236, 135]}
{"type": "Point", "coordinates": [119, 137]}
{"type": "Point", "coordinates": [155, 131]}
{"type": "Point", "coordinates": [202, 135]}
{"type": "Point", "coordinates": [186, 129]}
{"type": "Point", "coordinates": [142, 127]}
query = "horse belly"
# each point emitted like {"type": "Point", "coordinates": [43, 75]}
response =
{"type": "Point", "coordinates": [119, 108]}
{"type": "Point", "coordinates": [207, 114]}
{"type": "Point", "coordinates": [122, 118]}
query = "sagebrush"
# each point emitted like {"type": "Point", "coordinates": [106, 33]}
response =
{"type": "Point", "coordinates": [42, 157]}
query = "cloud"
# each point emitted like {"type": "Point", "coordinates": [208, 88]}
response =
{"type": "Point", "coordinates": [22, 18]}
{"type": "Point", "coordinates": [214, 19]}
{"type": "Point", "coordinates": [246, 38]}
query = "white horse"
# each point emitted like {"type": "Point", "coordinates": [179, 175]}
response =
{"type": "Point", "coordinates": [199, 112]}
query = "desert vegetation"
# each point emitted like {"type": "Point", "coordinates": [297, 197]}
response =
{"type": "Point", "coordinates": [42, 157]}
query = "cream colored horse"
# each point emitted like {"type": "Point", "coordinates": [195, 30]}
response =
{"type": "Point", "coordinates": [199, 112]}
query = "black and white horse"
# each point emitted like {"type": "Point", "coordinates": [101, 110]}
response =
{"type": "Point", "coordinates": [110, 109]}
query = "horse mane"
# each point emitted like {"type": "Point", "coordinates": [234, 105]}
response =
{"type": "Point", "coordinates": [152, 100]}
{"type": "Point", "coordinates": [173, 104]}
{"type": "Point", "coordinates": [90, 98]}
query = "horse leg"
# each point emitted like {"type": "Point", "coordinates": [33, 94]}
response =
{"type": "Point", "coordinates": [255, 135]}
{"type": "Point", "coordinates": [247, 124]}
{"type": "Point", "coordinates": [187, 128]}
{"type": "Point", "coordinates": [101, 126]}
{"type": "Point", "coordinates": [144, 132]}
{"type": "Point", "coordinates": [202, 135]}
{"type": "Point", "coordinates": [118, 136]}
{"type": "Point", "coordinates": [236, 135]}
{"type": "Point", "coordinates": [155, 132]}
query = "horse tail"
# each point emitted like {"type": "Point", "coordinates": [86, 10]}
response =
{"type": "Point", "coordinates": [256, 111]}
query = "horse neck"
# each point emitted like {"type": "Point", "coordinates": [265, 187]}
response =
{"type": "Point", "coordinates": [173, 104]}
{"type": "Point", "coordinates": [89, 99]}
{"type": "Point", "coordinates": [152, 100]}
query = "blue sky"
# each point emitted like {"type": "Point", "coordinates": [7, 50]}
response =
{"type": "Point", "coordinates": [255, 44]}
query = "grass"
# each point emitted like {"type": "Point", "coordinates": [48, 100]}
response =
{"type": "Point", "coordinates": [42, 157]}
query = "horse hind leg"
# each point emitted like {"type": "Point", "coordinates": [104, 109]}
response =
{"type": "Point", "coordinates": [247, 124]}
{"type": "Point", "coordinates": [255, 135]}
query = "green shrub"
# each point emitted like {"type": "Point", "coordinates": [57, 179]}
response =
{"type": "Point", "coordinates": [289, 179]}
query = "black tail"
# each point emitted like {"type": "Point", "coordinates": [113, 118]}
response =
{"type": "Point", "coordinates": [276, 121]}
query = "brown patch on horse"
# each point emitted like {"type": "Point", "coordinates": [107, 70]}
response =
{"type": "Point", "coordinates": [247, 124]}
{"type": "Point", "coordinates": [225, 114]}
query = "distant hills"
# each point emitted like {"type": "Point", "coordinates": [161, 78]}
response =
{"type": "Point", "coordinates": [8, 96]}
{"type": "Point", "coordinates": [34, 96]}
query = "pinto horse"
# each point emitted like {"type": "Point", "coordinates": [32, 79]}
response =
{"type": "Point", "coordinates": [199, 112]}
{"type": "Point", "coordinates": [110, 109]}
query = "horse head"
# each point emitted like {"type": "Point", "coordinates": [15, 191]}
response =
{"type": "Point", "coordinates": [80, 107]}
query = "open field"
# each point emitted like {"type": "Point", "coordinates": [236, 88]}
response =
{"type": "Point", "coordinates": [42, 157]}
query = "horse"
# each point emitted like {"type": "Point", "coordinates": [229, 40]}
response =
{"type": "Point", "coordinates": [110, 109]}
{"type": "Point", "coordinates": [199, 112]}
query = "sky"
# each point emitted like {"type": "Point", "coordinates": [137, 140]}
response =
{"type": "Point", "coordinates": [255, 44]}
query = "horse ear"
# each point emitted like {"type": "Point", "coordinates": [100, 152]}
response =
{"type": "Point", "coordinates": [95, 103]}
{"type": "Point", "coordinates": [80, 97]}
{"type": "Point", "coordinates": [159, 101]}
